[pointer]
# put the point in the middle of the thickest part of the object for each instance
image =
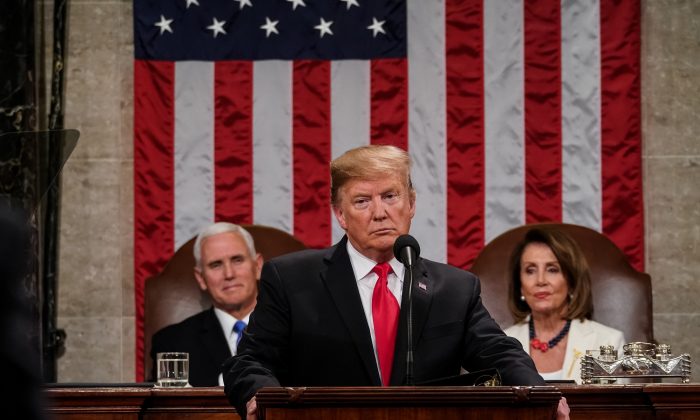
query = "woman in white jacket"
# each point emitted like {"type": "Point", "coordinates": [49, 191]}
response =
{"type": "Point", "coordinates": [550, 299]}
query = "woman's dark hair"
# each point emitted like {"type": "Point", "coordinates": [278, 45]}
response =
{"type": "Point", "coordinates": [573, 265]}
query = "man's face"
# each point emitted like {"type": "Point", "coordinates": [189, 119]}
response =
{"type": "Point", "coordinates": [374, 213]}
{"type": "Point", "coordinates": [229, 272]}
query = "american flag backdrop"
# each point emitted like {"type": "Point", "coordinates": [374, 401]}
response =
{"type": "Point", "coordinates": [514, 111]}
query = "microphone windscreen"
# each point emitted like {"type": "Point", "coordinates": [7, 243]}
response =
{"type": "Point", "coordinates": [404, 241]}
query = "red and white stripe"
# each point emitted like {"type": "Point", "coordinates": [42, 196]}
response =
{"type": "Point", "coordinates": [513, 111]}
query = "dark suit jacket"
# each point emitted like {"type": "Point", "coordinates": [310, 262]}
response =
{"type": "Point", "coordinates": [309, 329]}
{"type": "Point", "coordinates": [202, 337]}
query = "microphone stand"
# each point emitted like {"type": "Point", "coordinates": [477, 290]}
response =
{"type": "Point", "coordinates": [409, 334]}
{"type": "Point", "coordinates": [406, 250]}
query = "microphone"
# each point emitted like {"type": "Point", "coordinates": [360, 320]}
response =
{"type": "Point", "coordinates": [407, 250]}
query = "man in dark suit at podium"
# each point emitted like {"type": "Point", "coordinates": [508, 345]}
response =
{"type": "Point", "coordinates": [336, 317]}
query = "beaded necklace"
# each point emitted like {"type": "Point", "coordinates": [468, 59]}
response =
{"type": "Point", "coordinates": [542, 346]}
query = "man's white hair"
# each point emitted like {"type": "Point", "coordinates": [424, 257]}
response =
{"type": "Point", "coordinates": [217, 228]}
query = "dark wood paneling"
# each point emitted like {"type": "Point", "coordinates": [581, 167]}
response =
{"type": "Point", "coordinates": [587, 402]}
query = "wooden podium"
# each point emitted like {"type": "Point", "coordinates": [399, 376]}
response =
{"type": "Point", "coordinates": [408, 403]}
{"type": "Point", "coordinates": [587, 402]}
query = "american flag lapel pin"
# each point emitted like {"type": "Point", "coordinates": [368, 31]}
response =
{"type": "Point", "coordinates": [422, 286]}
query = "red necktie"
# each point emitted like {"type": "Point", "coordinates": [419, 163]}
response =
{"type": "Point", "coordinates": [385, 313]}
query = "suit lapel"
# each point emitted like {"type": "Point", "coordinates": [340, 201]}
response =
{"type": "Point", "coordinates": [422, 296]}
{"type": "Point", "coordinates": [521, 332]}
{"type": "Point", "coordinates": [579, 336]}
{"type": "Point", "coordinates": [212, 337]}
{"type": "Point", "coordinates": [342, 286]}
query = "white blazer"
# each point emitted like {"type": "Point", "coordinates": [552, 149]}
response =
{"type": "Point", "coordinates": [583, 335]}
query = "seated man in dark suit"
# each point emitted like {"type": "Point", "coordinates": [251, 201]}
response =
{"type": "Point", "coordinates": [228, 268]}
{"type": "Point", "coordinates": [336, 316]}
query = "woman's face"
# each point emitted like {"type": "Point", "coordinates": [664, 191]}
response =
{"type": "Point", "coordinates": [542, 280]}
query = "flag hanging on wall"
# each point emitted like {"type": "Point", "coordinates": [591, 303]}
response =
{"type": "Point", "coordinates": [513, 111]}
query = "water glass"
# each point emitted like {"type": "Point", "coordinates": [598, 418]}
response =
{"type": "Point", "coordinates": [173, 369]}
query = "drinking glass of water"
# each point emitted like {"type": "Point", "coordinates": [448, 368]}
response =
{"type": "Point", "coordinates": [173, 369]}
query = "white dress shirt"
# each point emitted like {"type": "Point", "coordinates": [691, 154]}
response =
{"type": "Point", "coordinates": [227, 322]}
{"type": "Point", "coordinates": [552, 376]}
{"type": "Point", "coordinates": [366, 280]}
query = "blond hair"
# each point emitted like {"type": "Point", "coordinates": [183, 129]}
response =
{"type": "Point", "coordinates": [370, 162]}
